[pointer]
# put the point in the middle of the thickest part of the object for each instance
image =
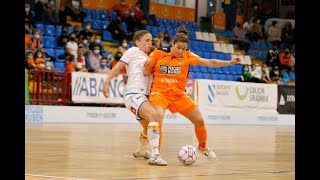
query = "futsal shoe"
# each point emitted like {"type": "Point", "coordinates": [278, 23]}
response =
{"type": "Point", "coordinates": [145, 154]}
{"type": "Point", "coordinates": [209, 154]}
{"type": "Point", "coordinates": [157, 160]}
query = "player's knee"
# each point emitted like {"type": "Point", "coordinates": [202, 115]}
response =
{"type": "Point", "coordinates": [199, 122]}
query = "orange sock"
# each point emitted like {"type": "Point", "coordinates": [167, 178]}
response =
{"type": "Point", "coordinates": [201, 133]}
{"type": "Point", "coordinates": [160, 133]}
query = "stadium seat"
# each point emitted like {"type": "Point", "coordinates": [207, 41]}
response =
{"type": "Point", "coordinates": [60, 66]}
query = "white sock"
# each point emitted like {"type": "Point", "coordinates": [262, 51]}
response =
{"type": "Point", "coordinates": [154, 136]}
{"type": "Point", "coordinates": [143, 142]}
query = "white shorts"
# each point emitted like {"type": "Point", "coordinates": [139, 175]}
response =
{"type": "Point", "coordinates": [133, 103]}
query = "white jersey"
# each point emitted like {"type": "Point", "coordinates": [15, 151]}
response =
{"type": "Point", "coordinates": [137, 82]}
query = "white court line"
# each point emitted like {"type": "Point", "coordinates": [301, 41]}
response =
{"type": "Point", "coordinates": [38, 175]}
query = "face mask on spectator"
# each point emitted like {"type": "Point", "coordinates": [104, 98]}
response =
{"type": "Point", "coordinates": [27, 9]}
{"type": "Point", "coordinates": [132, 14]}
{"type": "Point", "coordinates": [51, 3]}
{"type": "Point", "coordinates": [245, 69]}
{"type": "Point", "coordinates": [97, 41]}
{"type": "Point", "coordinates": [87, 27]}
{"type": "Point", "coordinates": [103, 65]}
{"type": "Point", "coordinates": [39, 55]}
{"type": "Point", "coordinates": [96, 51]}
{"type": "Point", "coordinates": [85, 41]}
{"type": "Point", "coordinates": [124, 44]}
{"type": "Point", "coordinates": [122, 3]}
{"type": "Point", "coordinates": [37, 36]}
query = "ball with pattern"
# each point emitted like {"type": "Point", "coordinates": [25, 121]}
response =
{"type": "Point", "coordinates": [187, 155]}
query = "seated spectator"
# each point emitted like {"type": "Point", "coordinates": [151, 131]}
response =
{"type": "Point", "coordinates": [115, 60]}
{"type": "Point", "coordinates": [239, 38]}
{"type": "Point", "coordinates": [103, 66]}
{"type": "Point", "coordinates": [287, 35]}
{"type": "Point", "coordinates": [122, 9]}
{"type": "Point", "coordinates": [39, 61]}
{"type": "Point", "coordinates": [64, 37]}
{"type": "Point", "coordinates": [116, 30]}
{"type": "Point", "coordinates": [273, 57]}
{"type": "Point", "coordinates": [80, 63]}
{"type": "Point", "coordinates": [265, 74]}
{"type": "Point", "coordinates": [139, 14]}
{"type": "Point", "coordinates": [274, 34]}
{"type": "Point", "coordinates": [74, 8]}
{"type": "Point", "coordinates": [123, 46]}
{"type": "Point", "coordinates": [97, 40]}
{"type": "Point", "coordinates": [72, 46]}
{"type": "Point", "coordinates": [246, 75]}
{"type": "Point", "coordinates": [51, 13]}
{"type": "Point", "coordinates": [36, 43]}
{"type": "Point", "coordinates": [27, 38]}
{"type": "Point", "coordinates": [285, 58]}
{"type": "Point", "coordinates": [275, 75]}
{"type": "Point", "coordinates": [132, 22]}
{"type": "Point", "coordinates": [30, 61]}
{"type": "Point", "coordinates": [76, 29]}
{"type": "Point", "coordinates": [165, 41]}
{"type": "Point", "coordinates": [93, 60]}
{"type": "Point", "coordinates": [28, 16]}
{"type": "Point", "coordinates": [86, 32]}
{"type": "Point", "coordinates": [39, 10]}
{"type": "Point", "coordinates": [255, 73]}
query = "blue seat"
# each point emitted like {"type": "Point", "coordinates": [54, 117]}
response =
{"type": "Point", "coordinates": [203, 69]}
{"type": "Point", "coordinates": [88, 12]}
{"type": "Point", "coordinates": [292, 76]}
{"type": "Point", "coordinates": [199, 53]}
{"type": "Point", "coordinates": [59, 66]}
{"type": "Point", "coordinates": [206, 76]}
{"type": "Point", "coordinates": [229, 77]}
{"type": "Point", "coordinates": [40, 27]}
{"type": "Point", "coordinates": [95, 14]}
{"type": "Point", "coordinates": [239, 68]}
{"type": "Point", "coordinates": [59, 52]}
{"type": "Point", "coordinates": [107, 36]}
{"type": "Point", "coordinates": [58, 30]}
{"type": "Point", "coordinates": [96, 24]}
{"type": "Point", "coordinates": [104, 24]}
{"type": "Point", "coordinates": [192, 75]}
{"type": "Point", "coordinates": [214, 76]}
{"type": "Point", "coordinates": [104, 15]}
{"type": "Point", "coordinates": [235, 77]}
{"type": "Point", "coordinates": [192, 35]}
{"type": "Point", "coordinates": [222, 77]}
{"type": "Point", "coordinates": [232, 69]}
{"type": "Point", "coordinates": [213, 55]}
{"type": "Point", "coordinates": [50, 30]}
{"type": "Point", "coordinates": [199, 75]}
{"type": "Point", "coordinates": [219, 70]}
{"type": "Point", "coordinates": [202, 45]}
{"type": "Point", "coordinates": [196, 68]}
{"type": "Point", "coordinates": [285, 75]}
{"type": "Point", "coordinates": [206, 55]}
{"type": "Point", "coordinates": [209, 46]}
{"type": "Point", "coordinates": [49, 42]}
{"type": "Point", "coordinates": [225, 70]}
{"type": "Point", "coordinates": [51, 52]}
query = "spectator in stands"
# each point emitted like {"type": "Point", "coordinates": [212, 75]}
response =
{"type": "Point", "coordinates": [97, 40]}
{"type": "Point", "coordinates": [46, 56]}
{"type": "Point", "coordinates": [275, 75]}
{"type": "Point", "coordinates": [39, 60]}
{"type": "Point", "coordinates": [285, 58]}
{"type": "Point", "coordinates": [72, 46]}
{"type": "Point", "coordinates": [246, 75]}
{"type": "Point", "coordinates": [122, 9]}
{"type": "Point", "coordinates": [256, 31]}
{"type": "Point", "coordinates": [39, 10]}
{"type": "Point", "coordinates": [239, 38]}
{"type": "Point", "coordinates": [156, 42]}
{"type": "Point", "coordinates": [27, 38]}
{"type": "Point", "coordinates": [28, 16]}
{"type": "Point", "coordinates": [93, 60]}
{"type": "Point", "coordinates": [254, 10]}
{"type": "Point", "coordinates": [287, 36]}
{"type": "Point", "coordinates": [138, 12]}
{"type": "Point", "coordinates": [115, 60]}
{"type": "Point", "coordinates": [247, 26]}
{"type": "Point", "coordinates": [103, 66]}
{"type": "Point", "coordinates": [132, 22]}
{"type": "Point", "coordinates": [273, 57]}
{"type": "Point", "coordinates": [274, 34]}
{"type": "Point", "coordinates": [36, 43]}
{"type": "Point", "coordinates": [51, 12]}
{"type": "Point", "coordinates": [30, 61]}
{"type": "Point", "coordinates": [64, 37]}
{"type": "Point", "coordinates": [80, 63]}
{"type": "Point", "coordinates": [293, 59]}
{"type": "Point", "coordinates": [86, 32]}
{"type": "Point", "coordinates": [74, 8]}
{"type": "Point", "coordinates": [265, 74]}
{"type": "Point", "coordinates": [116, 30]}
{"type": "Point", "coordinates": [123, 46]}
{"type": "Point", "coordinates": [85, 43]}
{"type": "Point", "coordinates": [255, 73]}
{"type": "Point", "coordinates": [62, 16]}
{"type": "Point", "coordinates": [76, 29]}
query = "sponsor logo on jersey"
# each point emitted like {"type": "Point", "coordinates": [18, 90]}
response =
{"type": "Point", "coordinates": [170, 69]}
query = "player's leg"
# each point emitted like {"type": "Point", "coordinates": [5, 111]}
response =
{"type": "Point", "coordinates": [143, 147]}
{"type": "Point", "coordinates": [191, 112]}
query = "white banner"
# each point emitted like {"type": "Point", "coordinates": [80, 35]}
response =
{"type": "Point", "coordinates": [87, 88]}
{"type": "Point", "coordinates": [229, 94]}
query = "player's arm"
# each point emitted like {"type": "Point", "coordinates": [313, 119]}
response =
{"type": "Point", "coordinates": [149, 64]}
{"type": "Point", "coordinates": [217, 62]}
{"type": "Point", "coordinates": [114, 71]}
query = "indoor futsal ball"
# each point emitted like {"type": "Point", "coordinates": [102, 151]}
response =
{"type": "Point", "coordinates": [187, 155]}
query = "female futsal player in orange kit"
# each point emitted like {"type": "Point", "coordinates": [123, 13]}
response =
{"type": "Point", "coordinates": [170, 69]}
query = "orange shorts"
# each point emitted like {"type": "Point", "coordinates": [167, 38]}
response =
{"type": "Point", "coordinates": [182, 104]}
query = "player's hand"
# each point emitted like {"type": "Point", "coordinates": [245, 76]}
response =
{"type": "Point", "coordinates": [105, 89]}
{"type": "Point", "coordinates": [235, 61]}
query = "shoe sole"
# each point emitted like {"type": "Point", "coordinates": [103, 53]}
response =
{"type": "Point", "coordinates": [140, 156]}
{"type": "Point", "coordinates": [150, 163]}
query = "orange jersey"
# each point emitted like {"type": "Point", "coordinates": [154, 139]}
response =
{"type": "Point", "coordinates": [169, 72]}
